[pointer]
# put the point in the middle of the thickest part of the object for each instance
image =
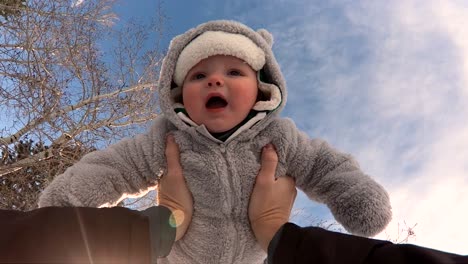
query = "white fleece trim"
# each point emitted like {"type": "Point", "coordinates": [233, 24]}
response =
{"type": "Point", "coordinates": [212, 43]}
{"type": "Point", "coordinates": [204, 131]}
{"type": "Point", "coordinates": [186, 119]}
{"type": "Point", "coordinates": [272, 91]}
{"type": "Point", "coordinates": [248, 125]}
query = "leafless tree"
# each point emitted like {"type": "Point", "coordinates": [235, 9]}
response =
{"type": "Point", "coordinates": [71, 80]}
{"type": "Point", "coordinates": [404, 234]}
{"type": "Point", "coordinates": [10, 7]}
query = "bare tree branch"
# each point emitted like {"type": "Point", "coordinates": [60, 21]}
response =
{"type": "Point", "coordinates": [62, 90]}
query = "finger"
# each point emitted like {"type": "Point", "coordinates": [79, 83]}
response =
{"type": "Point", "coordinates": [289, 184]}
{"type": "Point", "coordinates": [286, 182]}
{"type": "Point", "coordinates": [268, 164]}
{"type": "Point", "coordinates": [294, 197]}
{"type": "Point", "coordinates": [172, 155]}
{"type": "Point", "coordinates": [290, 181]}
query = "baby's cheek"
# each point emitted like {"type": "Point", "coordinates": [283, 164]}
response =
{"type": "Point", "coordinates": [191, 100]}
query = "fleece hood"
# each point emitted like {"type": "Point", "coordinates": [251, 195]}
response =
{"type": "Point", "coordinates": [271, 83]}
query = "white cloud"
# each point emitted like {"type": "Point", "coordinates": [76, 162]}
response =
{"type": "Point", "coordinates": [77, 3]}
{"type": "Point", "coordinates": [435, 196]}
{"type": "Point", "coordinates": [454, 19]}
{"type": "Point", "coordinates": [420, 77]}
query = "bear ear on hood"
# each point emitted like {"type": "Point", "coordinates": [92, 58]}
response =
{"type": "Point", "coordinates": [267, 36]}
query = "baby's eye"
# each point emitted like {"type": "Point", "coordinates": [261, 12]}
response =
{"type": "Point", "coordinates": [198, 76]}
{"type": "Point", "coordinates": [235, 73]}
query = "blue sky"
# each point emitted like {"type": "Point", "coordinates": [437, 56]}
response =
{"type": "Point", "coordinates": [386, 81]}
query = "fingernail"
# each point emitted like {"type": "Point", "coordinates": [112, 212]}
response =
{"type": "Point", "coordinates": [170, 137]}
{"type": "Point", "coordinates": [270, 146]}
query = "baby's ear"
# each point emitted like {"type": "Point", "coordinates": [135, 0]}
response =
{"type": "Point", "coordinates": [267, 36]}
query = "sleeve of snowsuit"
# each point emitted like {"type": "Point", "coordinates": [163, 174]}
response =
{"type": "Point", "coordinates": [326, 175]}
{"type": "Point", "coordinates": [75, 235]}
{"type": "Point", "coordinates": [103, 178]}
{"type": "Point", "coordinates": [295, 245]}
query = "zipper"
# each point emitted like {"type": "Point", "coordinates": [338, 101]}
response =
{"type": "Point", "coordinates": [235, 248]}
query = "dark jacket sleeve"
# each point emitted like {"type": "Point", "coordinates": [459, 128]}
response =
{"type": "Point", "coordinates": [74, 235]}
{"type": "Point", "coordinates": [295, 245]}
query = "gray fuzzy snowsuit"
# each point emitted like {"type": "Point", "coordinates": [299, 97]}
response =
{"type": "Point", "coordinates": [221, 173]}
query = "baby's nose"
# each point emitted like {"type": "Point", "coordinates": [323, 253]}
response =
{"type": "Point", "coordinates": [215, 81]}
{"type": "Point", "coordinates": [218, 83]}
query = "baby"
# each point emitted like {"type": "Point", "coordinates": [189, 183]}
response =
{"type": "Point", "coordinates": [221, 92]}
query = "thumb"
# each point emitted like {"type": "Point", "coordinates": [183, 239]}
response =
{"type": "Point", "coordinates": [172, 155]}
{"type": "Point", "coordinates": [268, 164]}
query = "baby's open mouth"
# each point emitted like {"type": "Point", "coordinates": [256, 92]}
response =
{"type": "Point", "coordinates": [216, 102]}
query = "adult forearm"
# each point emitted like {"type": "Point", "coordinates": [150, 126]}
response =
{"type": "Point", "coordinates": [293, 244]}
{"type": "Point", "coordinates": [74, 235]}
{"type": "Point", "coordinates": [264, 233]}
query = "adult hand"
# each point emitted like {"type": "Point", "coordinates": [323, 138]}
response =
{"type": "Point", "coordinates": [173, 192]}
{"type": "Point", "coordinates": [271, 200]}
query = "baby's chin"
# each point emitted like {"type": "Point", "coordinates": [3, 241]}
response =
{"type": "Point", "coordinates": [219, 129]}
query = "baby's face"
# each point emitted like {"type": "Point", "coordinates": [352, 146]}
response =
{"type": "Point", "coordinates": [219, 92]}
